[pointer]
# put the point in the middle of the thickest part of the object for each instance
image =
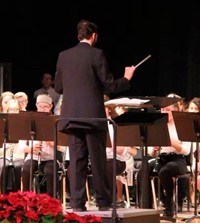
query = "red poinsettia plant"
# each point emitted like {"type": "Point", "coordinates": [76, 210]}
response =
{"type": "Point", "coordinates": [29, 207]}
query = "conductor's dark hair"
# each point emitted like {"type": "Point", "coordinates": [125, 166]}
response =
{"type": "Point", "coordinates": [85, 29]}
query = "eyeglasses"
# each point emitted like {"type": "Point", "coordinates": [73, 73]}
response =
{"type": "Point", "coordinates": [43, 108]}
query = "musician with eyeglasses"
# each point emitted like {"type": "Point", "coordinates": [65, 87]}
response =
{"type": "Point", "coordinates": [43, 152]}
{"type": "Point", "coordinates": [22, 98]}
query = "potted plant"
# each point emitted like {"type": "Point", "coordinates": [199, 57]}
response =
{"type": "Point", "coordinates": [29, 207]}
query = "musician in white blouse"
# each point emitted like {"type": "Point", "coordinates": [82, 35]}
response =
{"type": "Point", "coordinates": [172, 162]}
{"type": "Point", "coordinates": [14, 156]}
{"type": "Point", "coordinates": [124, 157]}
{"type": "Point", "coordinates": [194, 106]}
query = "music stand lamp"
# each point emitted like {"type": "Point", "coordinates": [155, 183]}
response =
{"type": "Point", "coordinates": [189, 121]}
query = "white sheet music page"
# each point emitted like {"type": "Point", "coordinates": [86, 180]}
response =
{"type": "Point", "coordinates": [126, 102]}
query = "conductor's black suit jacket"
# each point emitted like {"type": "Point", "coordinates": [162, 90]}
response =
{"type": "Point", "coordinates": [82, 76]}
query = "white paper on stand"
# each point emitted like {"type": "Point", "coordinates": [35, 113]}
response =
{"type": "Point", "coordinates": [126, 102]}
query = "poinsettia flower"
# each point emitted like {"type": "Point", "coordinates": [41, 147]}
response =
{"type": "Point", "coordinates": [72, 216]}
{"type": "Point", "coordinates": [30, 207]}
{"type": "Point", "coordinates": [92, 218]}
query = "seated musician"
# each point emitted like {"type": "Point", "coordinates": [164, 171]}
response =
{"type": "Point", "coordinates": [14, 157]}
{"type": "Point", "coordinates": [43, 152]}
{"type": "Point", "coordinates": [124, 157]}
{"type": "Point", "coordinates": [171, 163]}
{"type": "Point", "coordinates": [194, 106]}
{"type": "Point", "coordinates": [4, 98]}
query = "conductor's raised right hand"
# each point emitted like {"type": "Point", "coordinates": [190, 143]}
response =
{"type": "Point", "coordinates": [129, 71]}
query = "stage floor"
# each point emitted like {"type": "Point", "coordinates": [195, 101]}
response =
{"type": "Point", "coordinates": [124, 215]}
{"type": "Point", "coordinates": [138, 215]}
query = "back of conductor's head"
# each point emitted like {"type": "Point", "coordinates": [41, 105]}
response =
{"type": "Point", "coordinates": [85, 29]}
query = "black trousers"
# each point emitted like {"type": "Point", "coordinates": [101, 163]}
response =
{"type": "Point", "coordinates": [46, 167]}
{"type": "Point", "coordinates": [168, 167]}
{"type": "Point", "coordinates": [17, 166]}
{"type": "Point", "coordinates": [87, 145]}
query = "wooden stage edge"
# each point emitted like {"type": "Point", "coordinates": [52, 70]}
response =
{"type": "Point", "coordinates": [124, 215]}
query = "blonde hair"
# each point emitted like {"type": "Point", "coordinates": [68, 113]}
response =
{"type": "Point", "coordinates": [21, 94]}
{"type": "Point", "coordinates": [3, 95]}
{"type": "Point", "coordinates": [13, 102]}
{"type": "Point", "coordinates": [6, 93]}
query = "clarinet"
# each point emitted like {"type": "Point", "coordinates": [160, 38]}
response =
{"type": "Point", "coordinates": [11, 147]}
{"type": "Point", "coordinates": [155, 170]}
{"type": "Point", "coordinates": [10, 170]}
{"type": "Point", "coordinates": [62, 165]}
{"type": "Point", "coordinates": [39, 158]}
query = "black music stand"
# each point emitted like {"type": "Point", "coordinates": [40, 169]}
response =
{"type": "Point", "coordinates": [188, 129]}
{"type": "Point", "coordinates": [20, 127]}
{"type": "Point", "coordinates": [4, 117]}
{"type": "Point", "coordinates": [3, 136]}
{"type": "Point", "coordinates": [131, 135]}
{"type": "Point", "coordinates": [31, 126]}
{"type": "Point", "coordinates": [143, 130]}
{"type": "Point", "coordinates": [44, 129]}
{"type": "Point", "coordinates": [159, 102]}
{"type": "Point", "coordinates": [2, 130]}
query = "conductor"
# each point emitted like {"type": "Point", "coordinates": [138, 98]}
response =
{"type": "Point", "coordinates": [83, 76]}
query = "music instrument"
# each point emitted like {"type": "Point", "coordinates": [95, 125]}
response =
{"type": "Point", "coordinates": [11, 147]}
{"type": "Point", "coordinates": [155, 170]}
{"type": "Point", "coordinates": [11, 169]}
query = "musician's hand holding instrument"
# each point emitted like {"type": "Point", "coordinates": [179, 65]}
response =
{"type": "Point", "coordinates": [37, 148]}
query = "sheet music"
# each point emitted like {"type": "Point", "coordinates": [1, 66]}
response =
{"type": "Point", "coordinates": [126, 102]}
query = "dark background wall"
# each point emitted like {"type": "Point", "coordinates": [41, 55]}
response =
{"type": "Point", "coordinates": [34, 32]}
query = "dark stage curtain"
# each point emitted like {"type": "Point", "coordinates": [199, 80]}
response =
{"type": "Point", "coordinates": [193, 74]}
{"type": "Point", "coordinates": [179, 51]}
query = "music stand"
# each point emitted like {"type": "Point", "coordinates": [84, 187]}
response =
{"type": "Point", "coordinates": [19, 127]}
{"type": "Point", "coordinates": [30, 126]}
{"type": "Point", "coordinates": [159, 102]}
{"type": "Point", "coordinates": [3, 142]}
{"type": "Point", "coordinates": [189, 121]}
{"type": "Point", "coordinates": [131, 135]}
{"type": "Point", "coordinates": [144, 130]}
{"type": "Point", "coordinates": [2, 130]}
